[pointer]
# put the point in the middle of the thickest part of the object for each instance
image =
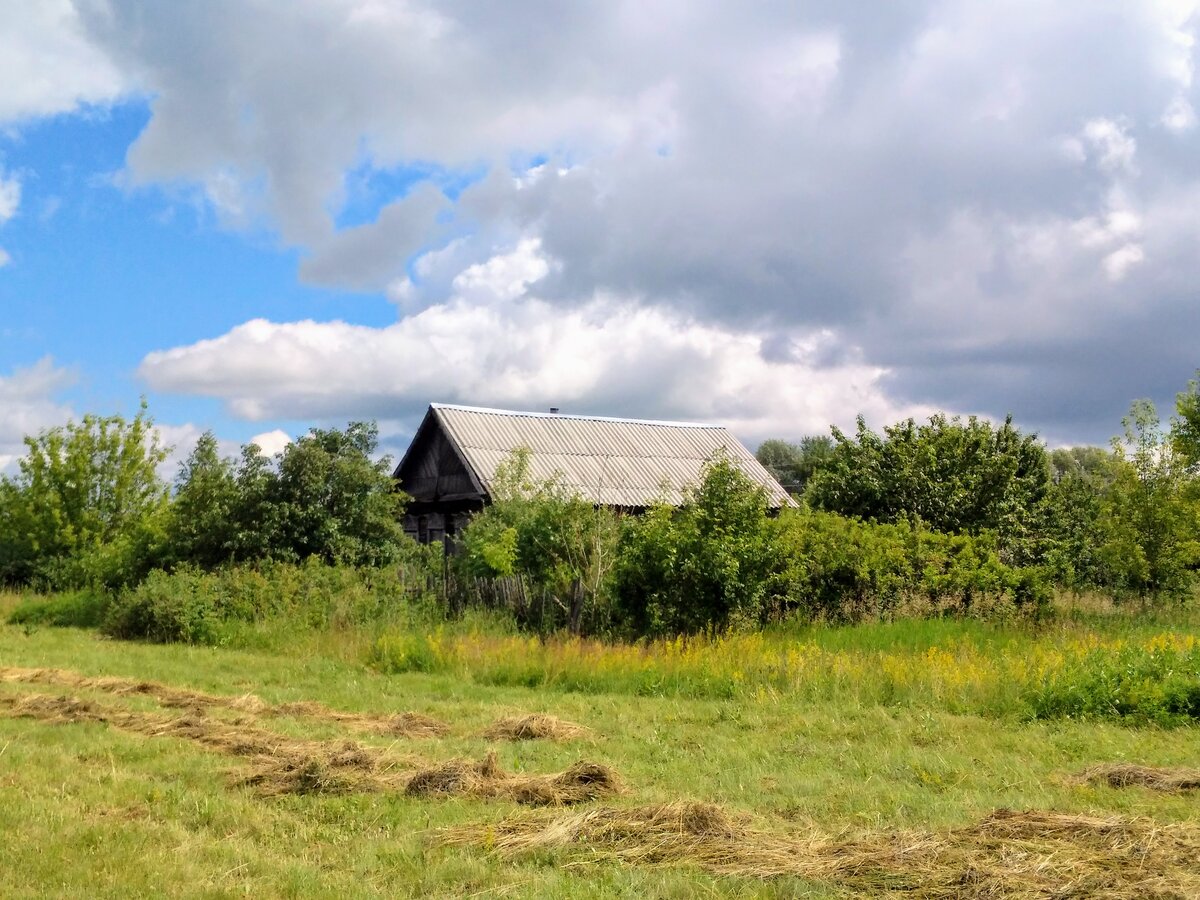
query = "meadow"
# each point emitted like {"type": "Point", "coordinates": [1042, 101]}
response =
{"type": "Point", "coordinates": [922, 758]}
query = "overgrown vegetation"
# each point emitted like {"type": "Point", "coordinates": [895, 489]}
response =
{"type": "Point", "coordinates": [946, 518]}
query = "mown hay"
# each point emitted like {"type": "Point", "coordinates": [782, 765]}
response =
{"type": "Point", "coordinates": [1008, 854]}
{"type": "Point", "coordinates": [485, 779]}
{"type": "Point", "coordinates": [230, 738]}
{"type": "Point", "coordinates": [1119, 775]}
{"type": "Point", "coordinates": [408, 724]}
{"type": "Point", "coordinates": [282, 765]}
{"type": "Point", "coordinates": [534, 726]}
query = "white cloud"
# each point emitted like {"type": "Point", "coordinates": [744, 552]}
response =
{"type": "Point", "coordinates": [1118, 263]}
{"type": "Point", "coordinates": [272, 442]}
{"type": "Point", "coordinates": [486, 346]}
{"type": "Point", "coordinates": [1114, 147]}
{"type": "Point", "coordinates": [1179, 115]}
{"type": "Point", "coordinates": [5, 259]}
{"type": "Point", "coordinates": [10, 196]}
{"type": "Point", "coordinates": [47, 64]}
{"type": "Point", "coordinates": [29, 404]}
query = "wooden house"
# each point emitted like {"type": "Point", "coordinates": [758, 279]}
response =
{"type": "Point", "coordinates": [630, 464]}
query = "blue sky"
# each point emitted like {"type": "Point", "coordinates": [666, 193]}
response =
{"type": "Point", "coordinates": [268, 217]}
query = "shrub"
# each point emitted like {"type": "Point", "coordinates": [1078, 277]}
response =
{"type": "Point", "coordinates": [191, 606]}
{"type": "Point", "coordinates": [705, 566]}
{"type": "Point", "coordinates": [842, 569]}
{"type": "Point", "coordinates": [167, 608]}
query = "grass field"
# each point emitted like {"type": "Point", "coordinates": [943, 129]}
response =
{"type": "Point", "coordinates": [865, 761]}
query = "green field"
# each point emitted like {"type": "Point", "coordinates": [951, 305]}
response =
{"type": "Point", "coordinates": [899, 738]}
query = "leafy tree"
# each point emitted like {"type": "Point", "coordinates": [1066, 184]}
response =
{"type": "Point", "coordinates": [559, 543]}
{"type": "Point", "coordinates": [204, 511]}
{"type": "Point", "coordinates": [1185, 427]}
{"type": "Point", "coordinates": [329, 499]}
{"type": "Point", "coordinates": [88, 504]}
{"type": "Point", "coordinates": [1080, 462]}
{"type": "Point", "coordinates": [704, 566]}
{"type": "Point", "coordinates": [1150, 517]}
{"type": "Point", "coordinates": [953, 475]}
{"type": "Point", "coordinates": [793, 465]}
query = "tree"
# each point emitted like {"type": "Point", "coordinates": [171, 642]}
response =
{"type": "Point", "coordinates": [1150, 516]}
{"type": "Point", "coordinates": [955, 476]}
{"type": "Point", "coordinates": [88, 503]}
{"type": "Point", "coordinates": [205, 509]}
{"type": "Point", "coordinates": [1080, 462]}
{"type": "Point", "coordinates": [331, 500]}
{"type": "Point", "coordinates": [1185, 427]}
{"type": "Point", "coordinates": [703, 566]}
{"type": "Point", "coordinates": [542, 531]}
{"type": "Point", "coordinates": [793, 465]}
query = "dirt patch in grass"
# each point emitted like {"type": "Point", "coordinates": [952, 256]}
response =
{"type": "Point", "coordinates": [1008, 854]}
{"type": "Point", "coordinates": [534, 726]}
{"type": "Point", "coordinates": [407, 724]}
{"type": "Point", "coordinates": [1119, 775]}
{"type": "Point", "coordinates": [284, 765]}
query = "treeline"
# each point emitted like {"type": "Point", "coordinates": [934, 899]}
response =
{"type": "Point", "coordinates": [943, 517]}
{"type": "Point", "coordinates": [1124, 520]}
{"type": "Point", "coordinates": [88, 508]}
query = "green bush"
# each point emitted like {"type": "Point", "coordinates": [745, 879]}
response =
{"type": "Point", "coordinates": [167, 608]}
{"type": "Point", "coordinates": [841, 569]}
{"type": "Point", "coordinates": [705, 566]}
{"type": "Point", "coordinates": [197, 607]}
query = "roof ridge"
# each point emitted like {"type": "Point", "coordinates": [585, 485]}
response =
{"type": "Point", "coordinates": [661, 423]}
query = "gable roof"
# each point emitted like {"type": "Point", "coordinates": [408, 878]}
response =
{"type": "Point", "coordinates": [612, 462]}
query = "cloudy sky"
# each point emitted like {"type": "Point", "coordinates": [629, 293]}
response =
{"type": "Point", "coordinates": [775, 215]}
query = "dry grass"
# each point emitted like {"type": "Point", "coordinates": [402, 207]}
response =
{"type": "Point", "coordinates": [534, 726]}
{"type": "Point", "coordinates": [1119, 775]}
{"type": "Point", "coordinates": [581, 782]}
{"type": "Point", "coordinates": [1008, 854]}
{"type": "Point", "coordinates": [283, 765]}
{"type": "Point", "coordinates": [407, 724]}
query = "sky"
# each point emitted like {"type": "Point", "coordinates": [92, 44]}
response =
{"type": "Point", "coordinates": [264, 216]}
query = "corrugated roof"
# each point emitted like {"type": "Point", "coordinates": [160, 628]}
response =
{"type": "Point", "coordinates": [614, 462]}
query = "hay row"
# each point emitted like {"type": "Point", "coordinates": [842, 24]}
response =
{"type": "Point", "coordinates": [1008, 854]}
{"type": "Point", "coordinates": [283, 765]}
{"type": "Point", "coordinates": [1119, 775]}
{"type": "Point", "coordinates": [408, 724]}
{"type": "Point", "coordinates": [534, 727]}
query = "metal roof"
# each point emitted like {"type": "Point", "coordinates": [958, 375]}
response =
{"type": "Point", "coordinates": [613, 462]}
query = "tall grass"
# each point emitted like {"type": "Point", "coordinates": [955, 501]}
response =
{"type": "Point", "coordinates": [959, 666]}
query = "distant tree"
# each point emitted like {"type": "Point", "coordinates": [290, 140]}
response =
{"type": "Point", "coordinates": [1185, 427]}
{"type": "Point", "coordinates": [793, 465]}
{"type": "Point", "coordinates": [205, 509]}
{"type": "Point", "coordinates": [1150, 516]}
{"type": "Point", "coordinates": [1080, 462]}
{"type": "Point", "coordinates": [87, 505]}
{"type": "Point", "coordinates": [330, 499]}
{"type": "Point", "coordinates": [953, 475]}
